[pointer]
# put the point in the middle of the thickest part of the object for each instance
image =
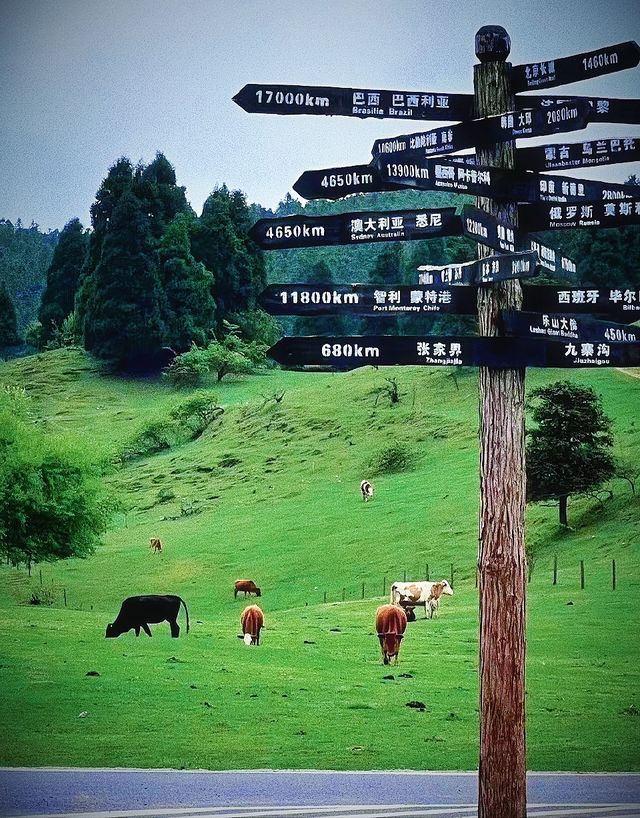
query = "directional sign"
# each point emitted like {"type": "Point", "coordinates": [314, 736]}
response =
{"type": "Point", "coordinates": [565, 116]}
{"type": "Point", "coordinates": [360, 102]}
{"type": "Point", "coordinates": [616, 302]}
{"type": "Point", "coordinates": [603, 109]}
{"type": "Point", "coordinates": [575, 68]}
{"type": "Point", "coordinates": [334, 183]}
{"type": "Point", "coordinates": [562, 155]}
{"type": "Point", "coordinates": [589, 214]}
{"type": "Point", "coordinates": [566, 326]}
{"type": "Point", "coordinates": [403, 170]}
{"type": "Point", "coordinates": [366, 299]}
{"type": "Point", "coordinates": [351, 352]}
{"type": "Point", "coordinates": [483, 271]}
{"type": "Point", "coordinates": [500, 235]}
{"type": "Point", "coordinates": [355, 228]}
{"type": "Point", "coordinates": [621, 304]}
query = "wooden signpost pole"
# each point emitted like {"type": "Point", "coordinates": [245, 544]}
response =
{"type": "Point", "coordinates": [502, 766]}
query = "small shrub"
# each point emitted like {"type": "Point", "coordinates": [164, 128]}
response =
{"type": "Point", "coordinates": [42, 596]}
{"type": "Point", "coordinates": [396, 457]}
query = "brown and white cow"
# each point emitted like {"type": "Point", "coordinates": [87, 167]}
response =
{"type": "Point", "coordinates": [391, 623]}
{"type": "Point", "coordinates": [155, 545]}
{"type": "Point", "coordinates": [246, 586]}
{"type": "Point", "coordinates": [366, 489]}
{"type": "Point", "coordinates": [252, 621]}
{"type": "Point", "coordinates": [412, 594]}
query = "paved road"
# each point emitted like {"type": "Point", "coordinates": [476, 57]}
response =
{"type": "Point", "coordinates": [302, 794]}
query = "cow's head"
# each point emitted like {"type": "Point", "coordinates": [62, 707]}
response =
{"type": "Point", "coordinates": [111, 632]}
{"type": "Point", "coordinates": [446, 588]}
{"type": "Point", "coordinates": [390, 644]}
{"type": "Point", "coordinates": [259, 594]}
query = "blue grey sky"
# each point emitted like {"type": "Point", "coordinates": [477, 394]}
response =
{"type": "Point", "coordinates": [83, 82]}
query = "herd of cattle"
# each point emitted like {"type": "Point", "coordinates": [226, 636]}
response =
{"type": "Point", "coordinates": [138, 612]}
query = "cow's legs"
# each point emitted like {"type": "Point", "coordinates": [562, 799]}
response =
{"type": "Point", "coordinates": [137, 630]}
{"type": "Point", "coordinates": [175, 629]}
{"type": "Point", "coordinates": [145, 628]}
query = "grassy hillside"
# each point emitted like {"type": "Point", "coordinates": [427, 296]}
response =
{"type": "Point", "coordinates": [270, 492]}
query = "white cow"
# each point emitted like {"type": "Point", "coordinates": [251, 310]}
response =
{"type": "Point", "coordinates": [412, 594]}
{"type": "Point", "coordinates": [366, 489]}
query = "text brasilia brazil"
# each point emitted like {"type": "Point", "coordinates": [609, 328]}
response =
{"type": "Point", "coordinates": [556, 326]}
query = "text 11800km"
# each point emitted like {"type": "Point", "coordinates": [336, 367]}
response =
{"type": "Point", "coordinates": [317, 297]}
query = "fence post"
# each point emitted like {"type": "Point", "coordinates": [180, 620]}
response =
{"type": "Point", "coordinates": [405, 574]}
{"type": "Point", "coordinates": [384, 586]}
{"type": "Point", "coordinates": [613, 575]}
{"type": "Point", "coordinates": [555, 570]}
{"type": "Point", "coordinates": [344, 590]}
{"type": "Point", "coordinates": [325, 596]}
{"type": "Point", "coordinates": [64, 593]}
{"type": "Point", "coordinates": [41, 576]}
{"type": "Point", "coordinates": [426, 573]}
{"type": "Point", "coordinates": [363, 590]}
{"type": "Point", "coordinates": [451, 583]}
{"type": "Point", "coordinates": [582, 574]}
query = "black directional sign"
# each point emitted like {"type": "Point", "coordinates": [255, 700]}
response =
{"type": "Point", "coordinates": [578, 67]}
{"type": "Point", "coordinates": [565, 116]}
{"type": "Point", "coordinates": [619, 303]}
{"type": "Point", "coordinates": [351, 352]}
{"type": "Point", "coordinates": [500, 235]}
{"type": "Point", "coordinates": [355, 228]}
{"type": "Point", "coordinates": [563, 326]}
{"type": "Point", "coordinates": [366, 299]}
{"type": "Point", "coordinates": [401, 170]}
{"type": "Point", "coordinates": [334, 183]}
{"type": "Point", "coordinates": [594, 153]}
{"type": "Point", "coordinates": [483, 271]}
{"type": "Point", "coordinates": [587, 214]}
{"type": "Point", "coordinates": [359, 102]}
{"type": "Point", "coordinates": [603, 109]}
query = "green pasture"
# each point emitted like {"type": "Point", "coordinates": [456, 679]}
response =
{"type": "Point", "coordinates": [270, 492]}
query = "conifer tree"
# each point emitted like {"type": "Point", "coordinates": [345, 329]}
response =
{"type": "Point", "coordinates": [62, 278]}
{"type": "Point", "coordinates": [8, 324]}
{"type": "Point", "coordinates": [569, 451]}
{"type": "Point", "coordinates": [123, 321]}
{"type": "Point", "coordinates": [220, 241]}
{"type": "Point", "coordinates": [190, 308]}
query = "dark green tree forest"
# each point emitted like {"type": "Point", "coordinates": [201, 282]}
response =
{"type": "Point", "coordinates": [63, 276]}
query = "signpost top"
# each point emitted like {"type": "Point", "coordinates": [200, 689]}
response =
{"type": "Point", "coordinates": [493, 44]}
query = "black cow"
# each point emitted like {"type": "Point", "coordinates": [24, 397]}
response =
{"type": "Point", "coordinates": [137, 611]}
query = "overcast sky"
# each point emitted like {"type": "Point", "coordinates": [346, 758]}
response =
{"type": "Point", "coordinates": [83, 82]}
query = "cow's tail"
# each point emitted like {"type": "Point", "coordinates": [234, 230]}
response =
{"type": "Point", "coordinates": [186, 612]}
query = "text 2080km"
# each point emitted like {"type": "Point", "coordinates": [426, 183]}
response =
{"type": "Point", "coordinates": [558, 115]}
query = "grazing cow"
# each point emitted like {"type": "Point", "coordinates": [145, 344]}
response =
{"type": "Point", "coordinates": [366, 489]}
{"type": "Point", "coordinates": [410, 594]}
{"type": "Point", "coordinates": [155, 545]}
{"type": "Point", "coordinates": [391, 622]}
{"type": "Point", "coordinates": [252, 621]}
{"type": "Point", "coordinates": [247, 586]}
{"type": "Point", "coordinates": [140, 611]}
